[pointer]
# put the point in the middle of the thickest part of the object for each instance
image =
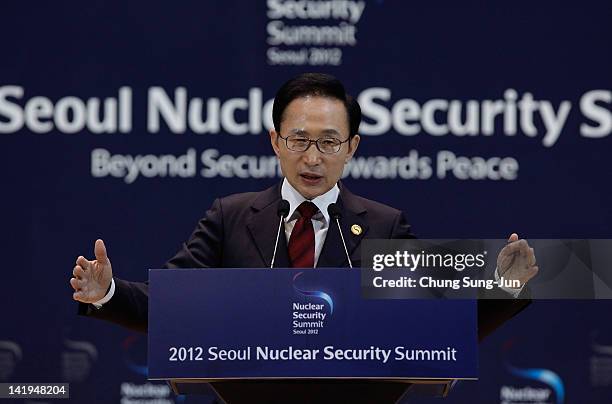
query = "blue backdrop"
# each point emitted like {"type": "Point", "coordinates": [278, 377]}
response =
{"type": "Point", "coordinates": [480, 119]}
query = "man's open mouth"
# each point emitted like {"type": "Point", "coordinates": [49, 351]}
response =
{"type": "Point", "coordinates": [311, 178]}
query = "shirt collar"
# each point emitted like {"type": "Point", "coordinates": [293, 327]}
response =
{"type": "Point", "coordinates": [295, 199]}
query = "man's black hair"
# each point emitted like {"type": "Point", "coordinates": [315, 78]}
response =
{"type": "Point", "coordinates": [319, 85]}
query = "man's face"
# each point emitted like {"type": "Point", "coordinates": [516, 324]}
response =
{"type": "Point", "coordinates": [311, 172]}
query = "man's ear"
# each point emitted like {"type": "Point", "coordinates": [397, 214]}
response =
{"type": "Point", "coordinates": [352, 145]}
{"type": "Point", "coordinates": [274, 142]}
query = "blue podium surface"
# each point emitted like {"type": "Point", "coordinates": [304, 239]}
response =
{"type": "Point", "coordinates": [215, 324]}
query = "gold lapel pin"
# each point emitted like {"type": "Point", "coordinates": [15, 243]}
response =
{"type": "Point", "coordinates": [356, 229]}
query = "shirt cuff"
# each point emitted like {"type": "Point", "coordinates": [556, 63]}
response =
{"type": "Point", "coordinates": [514, 292]}
{"type": "Point", "coordinates": [108, 296]}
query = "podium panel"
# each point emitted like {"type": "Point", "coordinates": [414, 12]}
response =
{"type": "Point", "coordinates": [228, 324]}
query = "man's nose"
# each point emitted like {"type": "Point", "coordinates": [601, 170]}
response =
{"type": "Point", "coordinates": [312, 156]}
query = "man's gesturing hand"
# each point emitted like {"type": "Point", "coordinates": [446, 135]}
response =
{"type": "Point", "coordinates": [517, 260]}
{"type": "Point", "coordinates": [91, 279]}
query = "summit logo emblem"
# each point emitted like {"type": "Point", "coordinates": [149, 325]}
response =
{"type": "Point", "coordinates": [309, 318]}
{"type": "Point", "coordinates": [313, 293]}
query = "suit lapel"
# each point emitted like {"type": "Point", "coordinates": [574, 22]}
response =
{"type": "Point", "coordinates": [353, 213]}
{"type": "Point", "coordinates": [263, 226]}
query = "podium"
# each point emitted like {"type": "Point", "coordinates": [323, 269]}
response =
{"type": "Point", "coordinates": [303, 335]}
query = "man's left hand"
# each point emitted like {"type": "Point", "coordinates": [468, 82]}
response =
{"type": "Point", "coordinates": [516, 261]}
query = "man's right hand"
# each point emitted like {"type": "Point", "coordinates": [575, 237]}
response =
{"type": "Point", "coordinates": [91, 279]}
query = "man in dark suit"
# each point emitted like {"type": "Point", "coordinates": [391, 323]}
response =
{"type": "Point", "coordinates": [314, 136]}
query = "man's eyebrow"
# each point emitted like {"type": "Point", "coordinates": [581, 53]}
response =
{"type": "Point", "coordinates": [330, 132]}
{"type": "Point", "coordinates": [324, 132]}
{"type": "Point", "coordinates": [298, 131]}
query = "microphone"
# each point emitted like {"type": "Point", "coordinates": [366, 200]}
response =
{"type": "Point", "coordinates": [335, 213]}
{"type": "Point", "coordinates": [282, 211]}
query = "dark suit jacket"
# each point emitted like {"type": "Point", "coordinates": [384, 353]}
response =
{"type": "Point", "coordinates": [240, 230]}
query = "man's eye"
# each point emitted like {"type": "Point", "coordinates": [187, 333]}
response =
{"type": "Point", "coordinates": [329, 144]}
{"type": "Point", "coordinates": [300, 141]}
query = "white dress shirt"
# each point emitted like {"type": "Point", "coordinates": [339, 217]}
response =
{"type": "Point", "coordinates": [320, 221]}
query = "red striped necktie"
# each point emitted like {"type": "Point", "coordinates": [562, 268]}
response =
{"type": "Point", "coordinates": [302, 240]}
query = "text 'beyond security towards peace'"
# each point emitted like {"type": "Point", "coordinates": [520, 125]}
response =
{"type": "Point", "coordinates": [213, 164]}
